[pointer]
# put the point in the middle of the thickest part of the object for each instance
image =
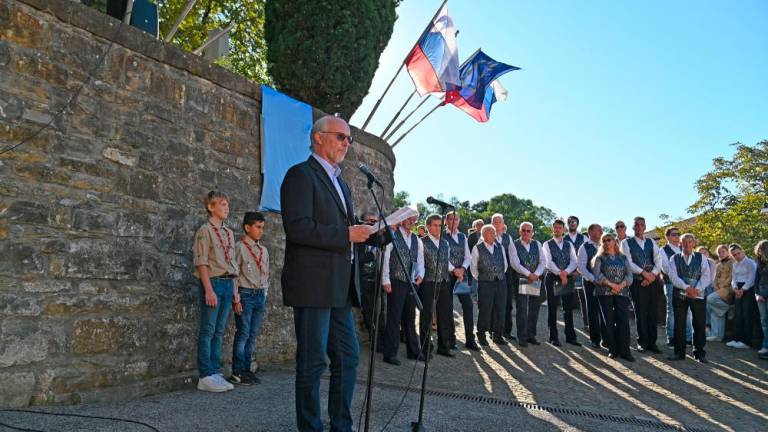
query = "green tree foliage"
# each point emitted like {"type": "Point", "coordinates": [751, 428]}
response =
{"type": "Point", "coordinates": [731, 196]}
{"type": "Point", "coordinates": [325, 52]}
{"type": "Point", "coordinates": [248, 49]}
{"type": "Point", "coordinates": [515, 210]}
{"type": "Point", "coordinates": [402, 199]}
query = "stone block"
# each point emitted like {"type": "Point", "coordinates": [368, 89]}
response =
{"type": "Point", "coordinates": [21, 28]}
{"type": "Point", "coordinates": [119, 156]}
{"type": "Point", "coordinates": [19, 305]}
{"type": "Point", "coordinates": [17, 388]}
{"type": "Point", "coordinates": [37, 67]}
{"type": "Point", "coordinates": [11, 107]}
{"type": "Point", "coordinates": [93, 220]}
{"type": "Point", "coordinates": [22, 350]}
{"type": "Point", "coordinates": [103, 259]}
{"type": "Point", "coordinates": [107, 335]}
{"type": "Point", "coordinates": [139, 184]}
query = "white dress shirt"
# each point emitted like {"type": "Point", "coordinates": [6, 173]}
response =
{"type": "Point", "coordinates": [657, 262]}
{"type": "Point", "coordinates": [476, 256]}
{"type": "Point", "coordinates": [419, 257]}
{"type": "Point", "coordinates": [679, 283]}
{"type": "Point", "coordinates": [334, 172]}
{"type": "Point", "coordinates": [551, 266]}
{"type": "Point", "coordinates": [518, 266]}
{"type": "Point", "coordinates": [581, 261]}
{"type": "Point", "coordinates": [744, 271]}
{"type": "Point", "coordinates": [665, 260]}
{"type": "Point", "coordinates": [467, 254]}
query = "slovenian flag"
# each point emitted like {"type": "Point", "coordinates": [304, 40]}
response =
{"type": "Point", "coordinates": [477, 90]}
{"type": "Point", "coordinates": [433, 63]}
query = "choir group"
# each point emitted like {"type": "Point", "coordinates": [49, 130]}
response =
{"type": "Point", "coordinates": [607, 276]}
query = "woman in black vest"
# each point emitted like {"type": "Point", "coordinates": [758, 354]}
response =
{"type": "Point", "coordinates": [613, 276]}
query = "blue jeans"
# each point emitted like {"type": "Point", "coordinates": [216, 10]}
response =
{"type": "Point", "coordinates": [247, 323]}
{"type": "Point", "coordinates": [213, 321]}
{"type": "Point", "coordinates": [321, 332]}
{"type": "Point", "coordinates": [670, 323]}
{"type": "Point", "coordinates": [763, 308]}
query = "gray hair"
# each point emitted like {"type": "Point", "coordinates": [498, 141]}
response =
{"type": "Point", "coordinates": [497, 215]}
{"type": "Point", "coordinates": [688, 236]}
{"type": "Point", "coordinates": [319, 126]}
{"type": "Point", "coordinates": [526, 223]}
{"type": "Point", "coordinates": [487, 227]}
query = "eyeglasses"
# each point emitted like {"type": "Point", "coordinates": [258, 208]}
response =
{"type": "Point", "coordinates": [621, 226]}
{"type": "Point", "coordinates": [526, 230]}
{"type": "Point", "coordinates": [341, 136]}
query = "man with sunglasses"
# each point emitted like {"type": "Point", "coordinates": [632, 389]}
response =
{"type": "Point", "coordinates": [319, 275]}
{"type": "Point", "coordinates": [577, 240]}
{"type": "Point", "coordinates": [672, 234]}
{"type": "Point", "coordinates": [529, 263]}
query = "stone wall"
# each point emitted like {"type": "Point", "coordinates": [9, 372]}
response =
{"type": "Point", "coordinates": [98, 211]}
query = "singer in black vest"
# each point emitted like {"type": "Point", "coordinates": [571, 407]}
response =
{"type": "Point", "coordinates": [645, 261]}
{"type": "Point", "coordinates": [461, 258]}
{"type": "Point", "coordinates": [504, 239]}
{"type": "Point", "coordinates": [561, 265]}
{"type": "Point", "coordinates": [529, 263]}
{"type": "Point", "coordinates": [401, 307]}
{"type": "Point", "coordinates": [577, 239]}
{"type": "Point", "coordinates": [489, 264]}
{"type": "Point", "coordinates": [319, 278]}
{"type": "Point", "coordinates": [436, 289]}
{"type": "Point", "coordinates": [689, 273]}
{"type": "Point", "coordinates": [584, 265]}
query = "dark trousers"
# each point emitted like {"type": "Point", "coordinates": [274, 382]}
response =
{"type": "Point", "coordinates": [442, 301]}
{"type": "Point", "coordinates": [594, 317]}
{"type": "Point", "coordinates": [646, 300]}
{"type": "Point", "coordinates": [614, 310]}
{"type": "Point", "coordinates": [527, 316]}
{"type": "Point", "coordinates": [491, 300]}
{"type": "Point", "coordinates": [699, 311]}
{"type": "Point", "coordinates": [369, 291]}
{"type": "Point", "coordinates": [553, 302]}
{"type": "Point", "coordinates": [467, 313]}
{"type": "Point", "coordinates": [400, 308]}
{"type": "Point", "coordinates": [509, 306]}
{"type": "Point", "coordinates": [743, 321]}
{"type": "Point", "coordinates": [322, 332]}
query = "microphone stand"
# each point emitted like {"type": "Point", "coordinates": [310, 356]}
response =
{"type": "Point", "coordinates": [418, 425]}
{"type": "Point", "coordinates": [377, 305]}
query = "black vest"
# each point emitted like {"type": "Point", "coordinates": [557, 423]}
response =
{"type": "Point", "coordinates": [435, 269]}
{"type": "Point", "coordinates": [457, 249]}
{"type": "Point", "coordinates": [490, 267]}
{"type": "Point", "coordinates": [396, 271]}
{"type": "Point", "coordinates": [561, 257]}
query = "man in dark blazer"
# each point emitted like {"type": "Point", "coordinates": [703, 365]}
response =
{"type": "Point", "coordinates": [320, 277]}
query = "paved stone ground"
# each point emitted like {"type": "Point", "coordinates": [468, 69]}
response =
{"type": "Point", "coordinates": [478, 392]}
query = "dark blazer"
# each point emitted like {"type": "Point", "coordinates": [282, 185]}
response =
{"type": "Point", "coordinates": [317, 271]}
{"type": "Point", "coordinates": [472, 239]}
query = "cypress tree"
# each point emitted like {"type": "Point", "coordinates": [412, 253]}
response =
{"type": "Point", "coordinates": [325, 52]}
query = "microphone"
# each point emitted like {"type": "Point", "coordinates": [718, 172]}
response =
{"type": "Point", "coordinates": [371, 178]}
{"type": "Point", "coordinates": [435, 201]}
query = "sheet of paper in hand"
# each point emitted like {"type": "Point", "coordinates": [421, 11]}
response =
{"type": "Point", "coordinates": [395, 218]}
{"type": "Point", "coordinates": [694, 283]}
{"type": "Point", "coordinates": [530, 288]}
{"type": "Point", "coordinates": [569, 288]}
{"type": "Point", "coordinates": [579, 282]}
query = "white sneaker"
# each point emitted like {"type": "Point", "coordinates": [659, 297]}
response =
{"type": "Point", "coordinates": [762, 351]}
{"type": "Point", "coordinates": [211, 384]}
{"type": "Point", "coordinates": [731, 344]}
{"type": "Point", "coordinates": [220, 378]}
{"type": "Point", "coordinates": [714, 339]}
{"type": "Point", "coordinates": [741, 345]}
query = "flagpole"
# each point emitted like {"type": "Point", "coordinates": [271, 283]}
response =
{"type": "Point", "coordinates": [418, 123]}
{"type": "Point", "coordinates": [378, 102]}
{"type": "Point", "coordinates": [397, 114]}
{"type": "Point", "coordinates": [402, 122]}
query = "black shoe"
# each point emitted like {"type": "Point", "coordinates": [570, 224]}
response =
{"type": "Point", "coordinates": [253, 377]}
{"type": "Point", "coordinates": [522, 344]}
{"type": "Point", "coordinates": [423, 358]}
{"type": "Point", "coordinates": [628, 358]}
{"type": "Point", "coordinates": [670, 342]}
{"type": "Point", "coordinates": [510, 337]}
{"type": "Point", "coordinates": [239, 378]}
{"type": "Point", "coordinates": [595, 345]}
{"type": "Point", "coordinates": [555, 342]}
{"type": "Point", "coordinates": [392, 360]}
{"type": "Point", "coordinates": [573, 342]}
{"type": "Point", "coordinates": [676, 357]}
{"type": "Point", "coordinates": [641, 349]}
{"type": "Point", "coordinates": [445, 352]}
{"type": "Point", "coordinates": [654, 349]}
{"type": "Point", "coordinates": [499, 341]}
{"type": "Point", "coordinates": [472, 346]}
{"type": "Point", "coordinates": [481, 339]}
{"type": "Point", "coordinates": [533, 341]}
{"type": "Point", "coordinates": [612, 356]}
{"type": "Point", "coordinates": [454, 346]}
{"type": "Point", "coordinates": [702, 359]}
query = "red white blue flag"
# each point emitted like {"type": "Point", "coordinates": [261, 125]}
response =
{"type": "Point", "coordinates": [433, 63]}
{"type": "Point", "coordinates": [478, 89]}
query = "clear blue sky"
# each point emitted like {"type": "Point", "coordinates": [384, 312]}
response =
{"type": "Point", "coordinates": [613, 98]}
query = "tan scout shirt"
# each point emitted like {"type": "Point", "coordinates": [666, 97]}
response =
{"type": "Point", "coordinates": [723, 273]}
{"type": "Point", "coordinates": [209, 250]}
{"type": "Point", "coordinates": [250, 275]}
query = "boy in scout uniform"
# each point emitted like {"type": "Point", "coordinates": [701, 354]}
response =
{"type": "Point", "coordinates": [252, 284]}
{"type": "Point", "coordinates": [215, 267]}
